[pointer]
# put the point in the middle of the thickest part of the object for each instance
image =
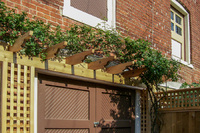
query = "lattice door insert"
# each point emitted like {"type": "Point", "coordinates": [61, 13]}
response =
{"type": "Point", "coordinates": [144, 111]}
{"type": "Point", "coordinates": [18, 98]}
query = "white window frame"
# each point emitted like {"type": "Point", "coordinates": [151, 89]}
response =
{"type": "Point", "coordinates": [89, 19]}
{"type": "Point", "coordinates": [186, 20]}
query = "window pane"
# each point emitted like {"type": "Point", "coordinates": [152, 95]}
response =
{"type": "Point", "coordinates": [178, 19]}
{"type": "Point", "coordinates": [172, 15]}
{"type": "Point", "coordinates": [178, 30]}
{"type": "Point", "coordinates": [172, 26]}
{"type": "Point", "coordinates": [97, 8]}
{"type": "Point", "coordinates": [176, 48]}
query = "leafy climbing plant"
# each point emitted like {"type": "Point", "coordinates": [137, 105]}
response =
{"type": "Point", "coordinates": [192, 85]}
{"type": "Point", "coordinates": [82, 37]}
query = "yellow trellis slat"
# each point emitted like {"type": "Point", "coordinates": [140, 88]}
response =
{"type": "Point", "coordinates": [25, 98]}
{"type": "Point", "coordinates": [12, 99]}
{"type": "Point", "coordinates": [32, 75]}
{"type": "Point", "coordinates": [18, 96]}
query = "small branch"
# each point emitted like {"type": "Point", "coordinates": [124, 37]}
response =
{"type": "Point", "coordinates": [18, 43]}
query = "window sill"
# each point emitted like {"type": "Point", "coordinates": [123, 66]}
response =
{"type": "Point", "coordinates": [183, 62]}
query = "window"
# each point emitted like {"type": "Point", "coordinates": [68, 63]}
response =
{"type": "Point", "coordinates": [180, 33]}
{"type": "Point", "coordinates": [177, 30]}
{"type": "Point", "coordinates": [91, 12]}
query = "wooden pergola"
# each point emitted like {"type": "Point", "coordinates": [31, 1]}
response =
{"type": "Point", "coordinates": [18, 73]}
{"type": "Point", "coordinates": [79, 58]}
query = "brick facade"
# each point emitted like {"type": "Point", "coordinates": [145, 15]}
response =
{"type": "Point", "coordinates": [146, 19]}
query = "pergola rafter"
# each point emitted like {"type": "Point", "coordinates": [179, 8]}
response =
{"type": "Point", "coordinates": [79, 57]}
{"type": "Point", "coordinates": [100, 64]}
{"type": "Point", "coordinates": [17, 46]}
{"type": "Point", "coordinates": [119, 68]}
{"type": "Point", "coordinates": [53, 50]}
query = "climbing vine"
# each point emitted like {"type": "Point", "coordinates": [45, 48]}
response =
{"type": "Point", "coordinates": [82, 37]}
{"type": "Point", "coordinates": [192, 85]}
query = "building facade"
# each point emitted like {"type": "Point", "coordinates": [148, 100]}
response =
{"type": "Point", "coordinates": [172, 26]}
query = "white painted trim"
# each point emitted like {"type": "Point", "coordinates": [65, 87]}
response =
{"type": "Point", "coordinates": [182, 62]}
{"type": "Point", "coordinates": [91, 20]}
{"type": "Point", "coordinates": [182, 10]}
{"type": "Point", "coordinates": [35, 101]}
{"type": "Point", "coordinates": [137, 112]}
{"type": "Point", "coordinates": [171, 85]}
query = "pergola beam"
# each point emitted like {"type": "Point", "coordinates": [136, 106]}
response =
{"type": "Point", "coordinates": [53, 50]}
{"type": "Point", "coordinates": [78, 58]}
{"type": "Point", "coordinates": [19, 42]}
{"type": "Point", "coordinates": [133, 73]}
{"type": "Point", "coordinates": [99, 64]}
{"type": "Point", "coordinates": [119, 68]}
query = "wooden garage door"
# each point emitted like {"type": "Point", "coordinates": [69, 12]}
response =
{"type": "Point", "coordinates": [70, 106]}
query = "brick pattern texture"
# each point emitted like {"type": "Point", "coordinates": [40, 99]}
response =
{"type": "Point", "coordinates": [146, 19]}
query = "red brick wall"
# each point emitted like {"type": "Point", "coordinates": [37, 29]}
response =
{"type": "Point", "coordinates": [146, 19]}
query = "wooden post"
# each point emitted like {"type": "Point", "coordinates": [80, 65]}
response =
{"type": "Point", "coordinates": [137, 112]}
{"type": "Point", "coordinates": [4, 95]}
{"type": "Point", "coordinates": [32, 76]}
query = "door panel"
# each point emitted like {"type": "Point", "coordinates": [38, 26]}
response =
{"type": "Point", "coordinates": [115, 111]}
{"type": "Point", "coordinates": [64, 107]}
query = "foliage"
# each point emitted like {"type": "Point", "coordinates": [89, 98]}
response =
{"type": "Point", "coordinates": [82, 37]}
{"type": "Point", "coordinates": [186, 85]}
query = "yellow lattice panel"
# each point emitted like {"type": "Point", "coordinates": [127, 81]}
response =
{"type": "Point", "coordinates": [180, 99]}
{"type": "Point", "coordinates": [17, 98]}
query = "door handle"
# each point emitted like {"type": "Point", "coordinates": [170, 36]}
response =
{"type": "Point", "coordinates": [96, 124]}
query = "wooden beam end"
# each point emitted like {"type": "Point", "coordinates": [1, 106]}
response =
{"type": "Point", "coordinates": [30, 33]}
{"type": "Point", "coordinates": [133, 73]}
{"type": "Point", "coordinates": [65, 43]}
{"type": "Point", "coordinates": [93, 50]}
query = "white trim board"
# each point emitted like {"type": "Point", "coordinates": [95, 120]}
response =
{"type": "Point", "coordinates": [35, 101]}
{"type": "Point", "coordinates": [91, 20]}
